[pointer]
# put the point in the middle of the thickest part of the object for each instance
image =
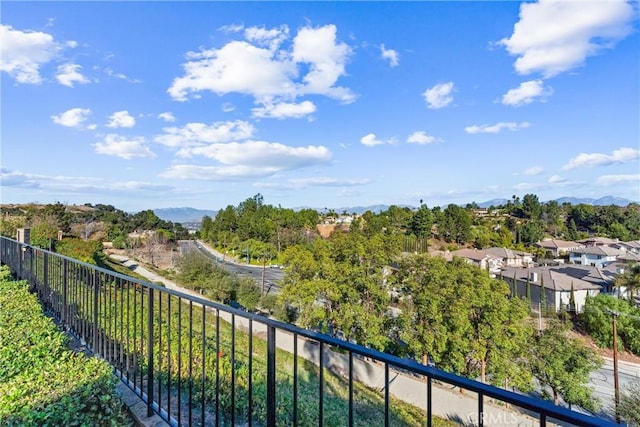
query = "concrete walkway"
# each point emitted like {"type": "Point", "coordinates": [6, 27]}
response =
{"type": "Point", "coordinates": [447, 401]}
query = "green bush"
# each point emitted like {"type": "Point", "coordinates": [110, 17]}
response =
{"type": "Point", "coordinates": [598, 323]}
{"type": "Point", "coordinates": [42, 382]}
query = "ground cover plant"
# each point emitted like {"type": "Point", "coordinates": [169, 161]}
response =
{"type": "Point", "coordinates": [43, 382]}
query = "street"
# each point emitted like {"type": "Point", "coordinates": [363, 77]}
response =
{"type": "Point", "coordinates": [602, 381]}
{"type": "Point", "coordinates": [272, 276]}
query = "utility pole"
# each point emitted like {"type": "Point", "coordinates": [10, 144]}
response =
{"type": "Point", "coordinates": [264, 266]}
{"type": "Point", "coordinates": [616, 384]}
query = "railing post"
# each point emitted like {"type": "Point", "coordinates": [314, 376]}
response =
{"type": "Point", "coordinates": [96, 296]}
{"type": "Point", "coordinates": [65, 273]}
{"type": "Point", "coordinates": [45, 273]}
{"type": "Point", "coordinates": [480, 409]}
{"type": "Point", "coordinates": [150, 353]}
{"type": "Point", "coordinates": [271, 376]}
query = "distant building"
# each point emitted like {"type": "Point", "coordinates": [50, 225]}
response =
{"type": "Point", "coordinates": [597, 255]}
{"type": "Point", "coordinates": [556, 283]}
{"type": "Point", "coordinates": [558, 247]}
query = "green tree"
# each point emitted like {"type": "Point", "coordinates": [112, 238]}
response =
{"type": "Point", "coordinates": [531, 207]}
{"type": "Point", "coordinates": [563, 365]}
{"type": "Point", "coordinates": [629, 408]}
{"type": "Point", "coordinates": [455, 225]}
{"type": "Point", "coordinates": [629, 280]}
{"type": "Point", "coordinates": [469, 326]}
{"type": "Point", "coordinates": [421, 222]}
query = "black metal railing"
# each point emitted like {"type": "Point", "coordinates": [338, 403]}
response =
{"type": "Point", "coordinates": [197, 362]}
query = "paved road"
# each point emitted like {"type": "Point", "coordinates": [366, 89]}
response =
{"type": "Point", "coordinates": [272, 276]}
{"type": "Point", "coordinates": [602, 381]}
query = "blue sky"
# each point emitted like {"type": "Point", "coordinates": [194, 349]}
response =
{"type": "Point", "coordinates": [323, 104]}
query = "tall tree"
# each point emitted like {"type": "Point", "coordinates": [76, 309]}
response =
{"type": "Point", "coordinates": [563, 364]}
{"type": "Point", "coordinates": [455, 225]}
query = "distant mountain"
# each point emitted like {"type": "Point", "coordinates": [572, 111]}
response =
{"type": "Point", "coordinates": [183, 215]}
{"type": "Point", "coordinates": [612, 200]}
{"type": "Point", "coordinates": [362, 209]}
{"type": "Point", "coordinates": [602, 201]}
{"type": "Point", "coordinates": [493, 202]}
{"type": "Point", "coordinates": [575, 200]}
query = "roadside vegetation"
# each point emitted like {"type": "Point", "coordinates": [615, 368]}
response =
{"type": "Point", "coordinates": [43, 382]}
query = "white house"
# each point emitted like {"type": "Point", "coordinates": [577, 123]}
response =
{"type": "Point", "coordinates": [598, 256]}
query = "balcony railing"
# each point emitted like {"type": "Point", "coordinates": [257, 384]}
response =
{"type": "Point", "coordinates": [197, 362]}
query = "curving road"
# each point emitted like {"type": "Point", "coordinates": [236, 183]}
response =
{"type": "Point", "coordinates": [272, 276]}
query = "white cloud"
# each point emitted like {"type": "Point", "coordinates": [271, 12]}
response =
{"type": "Point", "coordinates": [236, 67]}
{"type": "Point", "coordinates": [271, 38]}
{"type": "Point", "coordinates": [269, 73]}
{"type": "Point", "coordinates": [326, 59]}
{"type": "Point", "coordinates": [72, 44]}
{"type": "Point", "coordinates": [621, 155]}
{"type": "Point", "coordinates": [390, 55]}
{"type": "Point", "coordinates": [228, 107]}
{"type": "Point", "coordinates": [109, 72]}
{"type": "Point", "coordinates": [121, 119]}
{"type": "Point", "coordinates": [167, 117]}
{"type": "Point", "coordinates": [199, 134]}
{"type": "Point", "coordinates": [439, 96]}
{"type": "Point", "coordinates": [533, 170]}
{"type": "Point", "coordinates": [123, 147]}
{"type": "Point", "coordinates": [284, 110]}
{"type": "Point", "coordinates": [301, 183]}
{"type": "Point", "coordinates": [371, 140]}
{"type": "Point", "coordinates": [556, 179]}
{"type": "Point", "coordinates": [22, 53]}
{"type": "Point", "coordinates": [421, 137]}
{"type": "Point", "coordinates": [262, 154]}
{"type": "Point", "coordinates": [73, 118]}
{"type": "Point", "coordinates": [248, 160]}
{"type": "Point", "coordinates": [554, 36]}
{"type": "Point", "coordinates": [526, 93]}
{"type": "Point", "coordinates": [68, 74]}
{"type": "Point", "coordinates": [77, 184]}
{"type": "Point", "coordinates": [497, 128]}
{"type": "Point", "coordinates": [617, 179]}
{"type": "Point", "coordinates": [214, 173]}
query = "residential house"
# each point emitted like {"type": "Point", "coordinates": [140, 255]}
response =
{"type": "Point", "coordinates": [598, 241]}
{"type": "Point", "coordinates": [479, 258]}
{"type": "Point", "coordinates": [632, 246]}
{"type": "Point", "coordinates": [557, 283]}
{"type": "Point", "coordinates": [511, 258]}
{"type": "Point", "coordinates": [558, 247]}
{"type": "Point", "coordinates": [598, 256]}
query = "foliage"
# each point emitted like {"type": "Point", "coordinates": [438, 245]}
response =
{"type": "Point", "coordinates": [598, 322]}
{"type": "Point", "coordinates": [89, 251]}
{"type": "Point", "coordinates": [197, 272]}
{"type": "Point", "coordinates": [629, 280]}
{"type": "Point", "coordinates": [629, 407]}
{"type": "Point", "coordinates": [455, 225]}
{"type": "Point", "coordinates": [563, 364]}
{"type": "Point", "coordinates": [469, 326]}
{"type": "Point", "coordinates": [338, 285]}
{"type": "Point", "coordinates": [42, 382]}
